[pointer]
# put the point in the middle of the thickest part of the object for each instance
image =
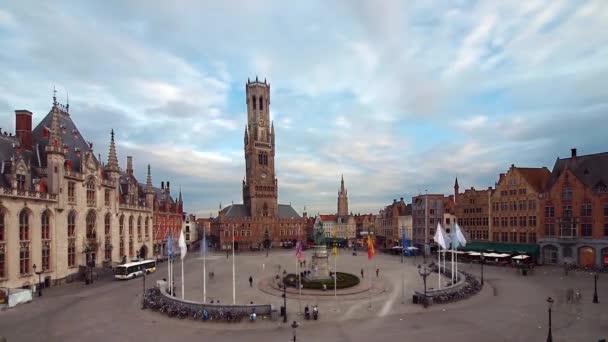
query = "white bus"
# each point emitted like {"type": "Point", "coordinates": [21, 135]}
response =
{"type": "Point", "coordinates": [134, 269]}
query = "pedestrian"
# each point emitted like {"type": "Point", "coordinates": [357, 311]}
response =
{"type": "Point", "coordinates": [250, 281]}
{"type": "Point", "coordinates": [377, 272]}
{"type": "Point", "coordinates": [362, 274]}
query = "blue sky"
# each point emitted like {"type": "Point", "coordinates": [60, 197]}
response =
{"type": "Point", "coordinates": [397, 96]}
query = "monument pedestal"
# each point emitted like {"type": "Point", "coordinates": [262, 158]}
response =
{"type": "Point", "coordinates": [320, 263]}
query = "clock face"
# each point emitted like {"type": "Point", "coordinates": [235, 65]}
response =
{"type": "Point", "coordinates": [263, 175]}
{"type": "Point", "coordinates": [261, 122]}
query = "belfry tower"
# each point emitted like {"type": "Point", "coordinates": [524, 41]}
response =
{"type": "Point", "coordinates": [260, 187]}
{"type": "Point", "coordinates": [342, 200]}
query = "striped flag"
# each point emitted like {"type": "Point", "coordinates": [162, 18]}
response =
{"type": "Point", "coordinates": [299, 250]}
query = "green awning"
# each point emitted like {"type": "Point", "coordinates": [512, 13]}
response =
{"type": "Point", "coordinates": [499, 247]}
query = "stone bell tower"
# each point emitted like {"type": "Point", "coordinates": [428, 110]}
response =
{"type": "Point", "coordinates": [260, 188]}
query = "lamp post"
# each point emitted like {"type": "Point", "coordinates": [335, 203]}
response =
{"type": "Point", "coordinates": [482, 259]}
{"type": "Point", "coordinates": [143, 296]}
{"type": "Point", "coordinates": [39, 280]}
{"type": "Point", "coordinates": [595, 277]}
{"type": "Point", "coordinates": [549, 336]}
{"type": "Point", "coordinates": [285, 300]}
{"type": "Point", "coordinates": [424, 273]}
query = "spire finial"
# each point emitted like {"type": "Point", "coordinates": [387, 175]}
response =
{"type": "Point", "coordinates": [256, 78]}
{"type": "Point", "coordinates": [54, 96]}
{"type": "Point", "coordinates": [112, 159]}
{"type": "Point", "coordinates": [67, 101]}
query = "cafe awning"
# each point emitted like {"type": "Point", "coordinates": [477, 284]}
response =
{"type": "Point", "coordinates": [499, 247]}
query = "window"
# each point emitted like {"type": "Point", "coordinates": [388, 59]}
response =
{"type": "Point", "coordinates": [45, 228]}
{"type": "Point", "coordinates": [586, 229]}
{"type": "Point", "coordinates": [531, 237]}
{"type": "Point", "coordinates": [505, 237]}
{"type": "Point", "coordinates": [131, 226]}
{"type": "Point", "coordinates": [567, 211]}
{"type": "Point", "coordinates": [586, 210]}
{"type": "Point", "coordinates": [513, 236]}
{"type": "Point", "coordinates": [21, 182]}
{"type": "Point", "coordinates": [522, 205]}
{"type": "Point", "coordinates": [139, 227]}
{"type": "Point", "coordinates": [431, 220]}
{"type": "Point", "coordinates": [532, 204]}
{"type": "Point", "coordinates": [24, 237]}
{"type": "Point", "coordinates": [522, 237]}
{"type": "Point", "coordinates": [549, 229]}
{"type": "Point", "coordinates": [147, 229]}
{"type": "Point", "coordinates": [567, 194]}
{"type": "Point", "coordinates": [107, 197]}
{"type": "Point", "coordinates": [46, 256]}
{"type": "Point", "coordinates": [263, 158]}
{"type": "Point", "coordinates": [512, 221]}
{"type": "Point", "coordinates": [504, 221]}
{"type": "Point", "coordinates": [72, 239]}
{"type": "Point", "coordinates": [24, 226]}
{"type": "Point", "coordinates": [512, 205]}
{"type": "Point", "coordinates": [495, 221]}
{"type": "Point", "coordinates": [71, 192]}
{"type": "Point", "coordinates": [495, 236]}
{"type": "Point", "coordinates": [2, 262]}
{"type": "Point", "coordinates": [91, 193]}
{"type": "Point", "coordinates": [91, 233]}
{"type": "Point", "coordinates": [549, 211]}
{"type": "Point", "coordinates": [107, 237]}
{"type": "Point", "coordinates": [522, 221]}
{"type": "Point", "coordinates": [532, 221]}
{"type": "Point", "coordinates": [253, 100]}
{"type": "Point", "coordinates": [2, 227]}
{"type": "Point", "coordinates": [261, 103]}
{"type": "Point", "coordinates": [522, 191]}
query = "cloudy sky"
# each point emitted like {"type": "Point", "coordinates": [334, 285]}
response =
{"type": "Point", "coordinates": [397, 97]}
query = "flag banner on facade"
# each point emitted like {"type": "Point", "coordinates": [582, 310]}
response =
{"type": "Point", "coordinates": [404, 243]}
{"type": "Point", "coordinates": [370, 248]}
{"type": "Point", "coordinates": [182, 245]}
{"type": "Point", "coordinates": [204, 247]}
{"type": "Point", "coordinates": [335, 249]}
{"type": "Point", "coordinates": [169, 246]}
{"type": "Point", "coordinates": [299, 250]}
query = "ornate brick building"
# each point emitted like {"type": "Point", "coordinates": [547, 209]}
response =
{"type": "Point", "coordinates": [168, 218]}
{"type": "Point", "coordinates": [260, 220]}
{"type": "Point", "coordinates": [574, 211]}
{"type": "Point", "coordinates": [472, 208]}
{"type": "Point", "coordinates": [427, 211]}
{"type": "Point", "coordinates": [61, 208]}
{"type": "Point", "coordinates": [391, 219]}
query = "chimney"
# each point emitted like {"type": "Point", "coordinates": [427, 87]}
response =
{"type": "Point", "coordinates": [168, 188]}
{"type": "Point", "coordinates": [162, 185]}
{"type": "Point", "coordinates": [394, 200]}
{"type": "Point", "coordinates": [129, 165]}
{"type": "Point", "coordinates": [401, 199]}
{"type": "Point", "coordinates": [573, 153]}
{"type": "Point", "coordinates": [23, 128]}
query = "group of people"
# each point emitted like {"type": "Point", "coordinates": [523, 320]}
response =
{"type": "Point", "coordinates": [315, 312]}
{"type": "Point", "coordinates": [377, 273]}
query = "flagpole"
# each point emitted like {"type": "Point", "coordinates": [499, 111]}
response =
{"type": "Point", "coordinates": [182, 277]}
{"type": "Point", "coordinates": [439, 262]}
{"type": "Point", "coordinates": [336, 277]}
{"type": "Point", "coordinates": [233, 272]}
{"type": "Point", "coordinates": [204, 268]}
{"type": "Point", "coordinates": [299, 297]}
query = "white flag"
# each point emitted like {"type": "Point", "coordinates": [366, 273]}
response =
{"type": "Point", "coordinates": [460, 235]}
{"type": "Point", "coordinates": [182, 244]}
{"type": "Point", "coordinates": [441, 238]}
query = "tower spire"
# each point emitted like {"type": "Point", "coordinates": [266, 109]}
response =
{"type": "Point", "coordinates": [112, 159]}
{"type": "Point", "coordinates": [149, 178]}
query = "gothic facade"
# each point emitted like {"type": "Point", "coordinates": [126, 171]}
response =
{"type": "Point", "coordinates": [260, 221]}
{"type": "Point", "coordinates": [61, 207]}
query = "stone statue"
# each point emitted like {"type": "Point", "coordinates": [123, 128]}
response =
{"type": "Point", "coordinates": [319, 235]}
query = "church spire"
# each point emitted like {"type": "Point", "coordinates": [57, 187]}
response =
{"type": "Point", "coordinates": [149, 186]}
{"type": "Point", "coordinates": [55, 137]}
{"type": "Point", "coordinates": [246, 135]}
{"type": "Point", "coordinates": [112, 159]}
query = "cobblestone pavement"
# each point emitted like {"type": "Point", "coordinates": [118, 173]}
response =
{"type": "Point", "coordinates": [509, 308]}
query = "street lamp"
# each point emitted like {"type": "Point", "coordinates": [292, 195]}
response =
{"type": "Point", "coordinates": [294, 325]}
{"type": "Point", "coordinates": [285, 300]}
{"type": "Point", "coordinates": [595, 277]}
{"type": "Point", "coordinates": [40, 281]}
{"type": "Point", "coordinates": [143, 296]}
{"type": "Point", "coordinates": [424, 273]}
{"type": "Point", "coordinates": [482, 259]}
{"type": "Point", "coordinates": [549, 336]}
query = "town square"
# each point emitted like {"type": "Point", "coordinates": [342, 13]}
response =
{"type": "Point", "coordinates": [305, 171]}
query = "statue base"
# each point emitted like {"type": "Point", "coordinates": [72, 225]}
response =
{"type": "Point", "coordinates": [320, 263]}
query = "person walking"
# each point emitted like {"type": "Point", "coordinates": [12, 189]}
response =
{"type": "Point", "coordinates": [362, 274]}
{"type": "Point", "coordinates": [377, 272]}
{"type": "Point", "coordinates": [250, 281]}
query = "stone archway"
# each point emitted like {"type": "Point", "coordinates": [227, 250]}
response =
{"type": "Point", "coordinates": [143, 252]}
{"type": "Point", "coordinates": [586, 256]}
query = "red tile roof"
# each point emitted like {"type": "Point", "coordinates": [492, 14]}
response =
{"type": "Point", "coordinates": [328, 217]}
{"type": "Point", "coordinates": [537, 177]}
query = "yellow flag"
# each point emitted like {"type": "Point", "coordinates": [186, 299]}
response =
{"type": "Point", "coordinates": [335, 249]}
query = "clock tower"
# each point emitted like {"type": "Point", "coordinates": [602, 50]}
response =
{"type": "Point", "coordinates": [260, 186]}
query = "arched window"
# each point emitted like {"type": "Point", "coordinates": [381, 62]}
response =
{"type": "Point", "coordinates": [72, 239]}
{"type": "Point", "coordinates": [24, 242]}
{"type": "Point", "coordinates": [91, 233]}
{"type": "Point", "coordinates": [91, 193]}
{"type": "Point", "coordinates": [131, 226]}
{"type": "Point", "coordinates": [147, 229]}
{"type": "Point", "coordinates": [107, 237]}
{"type": "Point", "coordinates": [253, 100]}
{"type": "Point", "coordinates": [139, 227]}
{"type": "Point", "coordinates": [2, 248]}
{"type": "Point", "coordinates": [45, 230]}
{"type": "Point", "coordinates": [261, 103]}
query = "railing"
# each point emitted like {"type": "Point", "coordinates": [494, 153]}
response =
{"type": "Point", "coordinates": [28, 194]}
{"type": "Point", "coordinates": [74, 175]}
{"type": "Point", "coordinates": [134, 207]}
